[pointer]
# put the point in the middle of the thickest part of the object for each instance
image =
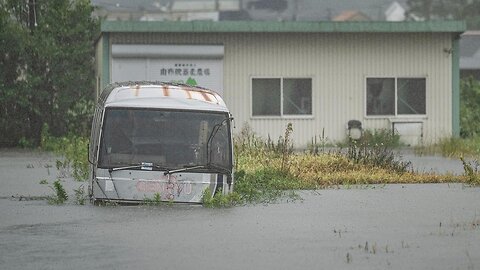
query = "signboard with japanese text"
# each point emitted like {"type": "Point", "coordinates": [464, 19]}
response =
{"type": "Point", "coordinates": [199, 65]}
{"type": "Point", "coordinates": [202, 72]}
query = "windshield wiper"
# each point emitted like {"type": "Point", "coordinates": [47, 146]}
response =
{"type": "Point", "coordinates": [146, 166]}
{"type": "Point", "coordinates": [214, 167]}
{"type": "Point", "coordinates": [214, 131]}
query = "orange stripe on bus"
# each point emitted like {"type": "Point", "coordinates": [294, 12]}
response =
{"type": "Point", "coordinates": [165, 91]}
{"type": "Point", "coordinates": [137, 89]}
{"type": "Point", "coordinates": [189, 95]}
{"type": "Point", "coordinates": [205, 96]}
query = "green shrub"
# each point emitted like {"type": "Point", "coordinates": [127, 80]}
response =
{"type": "Point", "coordinates": [469, 107]}
{"type": "Point", "coordinates": [25, 143]}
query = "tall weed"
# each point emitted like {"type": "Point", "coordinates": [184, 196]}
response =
{"type": "Point", "coordinates": [72, 148]}
{"type": "Point", "coordinates": [318, 145]}
{"type": "Point", "coordinates": [376, 149]}
{"type": "Point", "coordinates": [472, 172]}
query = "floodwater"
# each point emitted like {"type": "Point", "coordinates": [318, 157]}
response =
{"type": "Point", "coordinates": [369, 227]}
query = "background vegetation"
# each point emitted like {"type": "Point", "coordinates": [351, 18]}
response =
{"type": "Point", "coordinates": [469, 108]}
{"type": "Point", "coordinates": [46, 74]}
{"type": "Point", "coordinates": [468, 10]}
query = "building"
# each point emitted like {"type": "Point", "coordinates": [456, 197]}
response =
{"type": "Point", "coordinates": [257, 10]}
{"type": "Point", "coordinates": [395, 12]}
{"type": "Point", "coordinates": [351, 15]}
{"type": "Point", "coordinates": [167, 10]}
{"type": "Point", "coordinates": [401, 76]}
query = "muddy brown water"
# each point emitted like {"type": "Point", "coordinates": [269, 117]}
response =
{"type": "Point", "coordinates": [369, 227]}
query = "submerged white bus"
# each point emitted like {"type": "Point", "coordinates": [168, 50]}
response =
{"type": "Point", "coordinates": [156, 140]}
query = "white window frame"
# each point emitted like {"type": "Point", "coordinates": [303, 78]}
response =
{"type": "Point", "coordinates": [396, 115]}
{"type": "Point", "coordinates": [282, 115]}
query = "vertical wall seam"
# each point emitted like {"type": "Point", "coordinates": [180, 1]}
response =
{"type": "Point", "coordinates": [455, 87]}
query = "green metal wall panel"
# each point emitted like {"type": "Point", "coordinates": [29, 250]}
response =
{"type": "Point", "coordinates": [105, 79]}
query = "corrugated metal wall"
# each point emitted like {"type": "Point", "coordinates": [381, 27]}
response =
{"type": "Point", "coordinates": [338, 64]}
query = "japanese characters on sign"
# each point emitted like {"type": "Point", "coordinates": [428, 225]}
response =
{"type": "Point", "coordinates": [185, 70]}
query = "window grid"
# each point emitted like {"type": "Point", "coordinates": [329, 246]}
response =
{"type": "Point", "coordinates": [396, 114]}
{"type": "Point", "coordinates": [282, 115]}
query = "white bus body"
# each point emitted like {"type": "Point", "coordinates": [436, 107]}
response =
{"type": "Point", "coordinates": [159, 141]}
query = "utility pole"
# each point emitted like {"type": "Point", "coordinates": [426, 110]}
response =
{"type": "Point", "coordinates": [32, 16]}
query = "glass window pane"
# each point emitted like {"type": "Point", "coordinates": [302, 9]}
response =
{"type": "Point", "coordinates": [411, 96]}
{"type": "Point", "coordinates": [380, 96]}
{"type": "Point", "coordinates": [265, 97]}
{"type": "Point", "coordinates": [297, 96]}
{"type": "Point", "coordinates": [168, 138]}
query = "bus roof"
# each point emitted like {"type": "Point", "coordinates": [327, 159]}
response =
{"type": "Point", "coordinates": [161, 95]}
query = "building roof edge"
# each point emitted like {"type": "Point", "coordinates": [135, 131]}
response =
{"type": "Point", "coordinates": [281, 27]}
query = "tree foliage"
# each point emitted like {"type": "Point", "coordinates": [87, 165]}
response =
{"type": "Point", "coordinates": [469, 107]}
{"type": "Point", "coordinates": [468, 10]}
{"type": "Point", "coordinates": [47, 75]}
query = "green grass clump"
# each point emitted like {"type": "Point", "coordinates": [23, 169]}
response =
{"type": "Point", "coordinates": [155, 200]}
{"type": "Point", "coordinates": [220, 199]}
{"type": "Point", "coordinates": [453, 147]}
{"type": "Point", "coordinates": [60, 195]}
{"type": "Point", "coordinates": [264, 186]}
{"type": "Point", "coordinates": [459, 147]}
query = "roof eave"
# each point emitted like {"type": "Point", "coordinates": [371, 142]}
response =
{"type": "Point", "coordinates": [281, 27]}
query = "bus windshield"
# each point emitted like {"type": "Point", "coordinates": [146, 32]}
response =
{"type": "Point", "coordinates": [167, 138]}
